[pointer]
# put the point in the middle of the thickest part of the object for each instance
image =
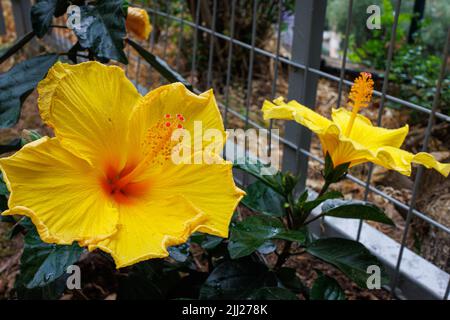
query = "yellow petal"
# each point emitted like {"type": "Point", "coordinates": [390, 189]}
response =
{"type": "Point", "coordinates": [196, 110]}
{"type": "Point", "coordinates": [138, 22]}
{"type": "Point", "coordinates": [400, 160]}
{"type": "Point", "coordinates": [295, 111]}
{"type": "Point", "coordinates": [210, 188]}
{"type": "Point", "coordinates": [343, 150]}
{"type": "Point", "coordinates": [59, 192]}
{"type": "Point", "coordinates": [146, 229]}
{"type": "Point", "coordinates": [88, 106]}
{"type": "Point", "coordinates": [367, 135]}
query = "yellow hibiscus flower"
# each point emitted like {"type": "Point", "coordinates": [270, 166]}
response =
{"type": "Point", "coordinates": [106, 179]}
{"type": "Point", "coordinates": [138, 22]}
{"type": "Point", "coordinates": [350, 137]}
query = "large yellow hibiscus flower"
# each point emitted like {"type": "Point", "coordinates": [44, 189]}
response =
{"type": "Point", "coordinates": [106, 180]}
{"type": "Point", "coordinates": [350, 137]}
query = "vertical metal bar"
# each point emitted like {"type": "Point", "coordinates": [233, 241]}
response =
{"type": "Point", "coordinates": [344, 55]}
{"type": "Point", "coordinates": [152, 44]}
{"type": "Point", "coordinates": [306, 49]}
{"type": "Point", "coordinates": [21, 12]}
{"type": "Point", "coordinates": [211, 45]}
{"type": "Point", "coordinates": [229, 61]}
{"type": "Point", "coordinates": [248, 98]}
{"type": "Point", "coordinates": [194, 49]}
{"type": "Point", "coordinates": [2, 21]}
{"type": "Point", "coordinates": [383, 99]}
{"type": "Point", "coordinates": [419, 173]}
{"type": "Point", "coordinates": [166, 25]}
{"type": "Point", "coordinates": [180, 37]}
{"type": "Point", "coordinates": [138, 67]}
{"type": "Point", "coordinates": [275, 71]}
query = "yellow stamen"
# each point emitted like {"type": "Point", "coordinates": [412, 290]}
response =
{"type": "Point", "coordinates": [360, 95]}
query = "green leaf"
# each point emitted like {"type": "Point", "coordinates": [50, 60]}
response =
{"type": "Point", "coordinates": [42, 263]}
{"type": "Point", "coordinates": [3, 189]}
{"type": "Point", "coordinates": [261, 198]}
{"type": "Point", "coordinates": [17, 83]}
{"type": "Point", "coordinates": [287, 278]}
{"type": "Point", "coordinates": [250, 234]}
{"type": "Point", "coordinates": [267, 247]}
{"type": "Point", "coordinates": [4, 200]}
{"type": "Point", "coordinates": [42, 13]}
{"type": "Point", "coordinates": [326, 288]}
{"type": "Point", "coordinates": [102, 29]}
{"type": "Point", "coordinates": [259, 170]}
{"type": "Point", "coordinates": [179, 253]}
{"type": "Point", "coordinates": [236, 280]}
{"type": "Point", "coordinates": [351, 257]}
{"type": "Point", "coordinates": [29, 136]}
{"type": "Point", "coordinates": [310, 205]}
{"type": "Point", "coordinates": [211, 242]}
{"type": "Point", "coordinates": [148, 280]}
{"type": "Point", "coordinates": [272, 293]}
{"type": "Point", "coordinates": [160, 65]}
{"type": "Point", "coordinates": [353, 209]}
{"type": "Point", "coordinates": [334, 174]}
{"type": "Point", "coordinates": [51, 291]}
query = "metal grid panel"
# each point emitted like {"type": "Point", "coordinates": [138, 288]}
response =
{"type": "Point", "coordinates": [298, 147]}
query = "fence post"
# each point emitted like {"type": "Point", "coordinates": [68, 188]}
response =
{"type": "Point", "coordinates": [2, 21]}
{"type": "Point", "coordinates": [22, 20]}
{"type": "Point", "coordinates": [306, 49]}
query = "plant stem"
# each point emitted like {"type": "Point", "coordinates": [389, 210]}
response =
{"type": "Point", "coordinates": [313, 219]}
{"type": "Point", "coordinates": [284, 255]}
{"type": "Point", "coordinates": [17, 46]}
{"type": "Point", "coordinates": [324, 188]}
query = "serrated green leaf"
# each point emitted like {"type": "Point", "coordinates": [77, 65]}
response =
{"type": "Point", "coordinates": [326, 288]}
{"type": "Point", "coordinates": [353, 209]}
{"type": "Point", "coordinates": [349, 256]}
{"type": "Point", "coordinates": [17, 83]}
{"type": "Point", "coordinates": [236, 280]}
{"type": "Point", "coordinates": [102, 29]}
{"type": "Point", "coordinates": [263, 199]}
{"type": "Point", "coordinates": [250, 234]}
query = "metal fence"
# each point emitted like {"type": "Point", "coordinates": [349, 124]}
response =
{"type": "Point", "coordinates": [304, 73]}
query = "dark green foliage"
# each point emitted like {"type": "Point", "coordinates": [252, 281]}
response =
{"type": "Point", "coordinates": [17, 83]}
